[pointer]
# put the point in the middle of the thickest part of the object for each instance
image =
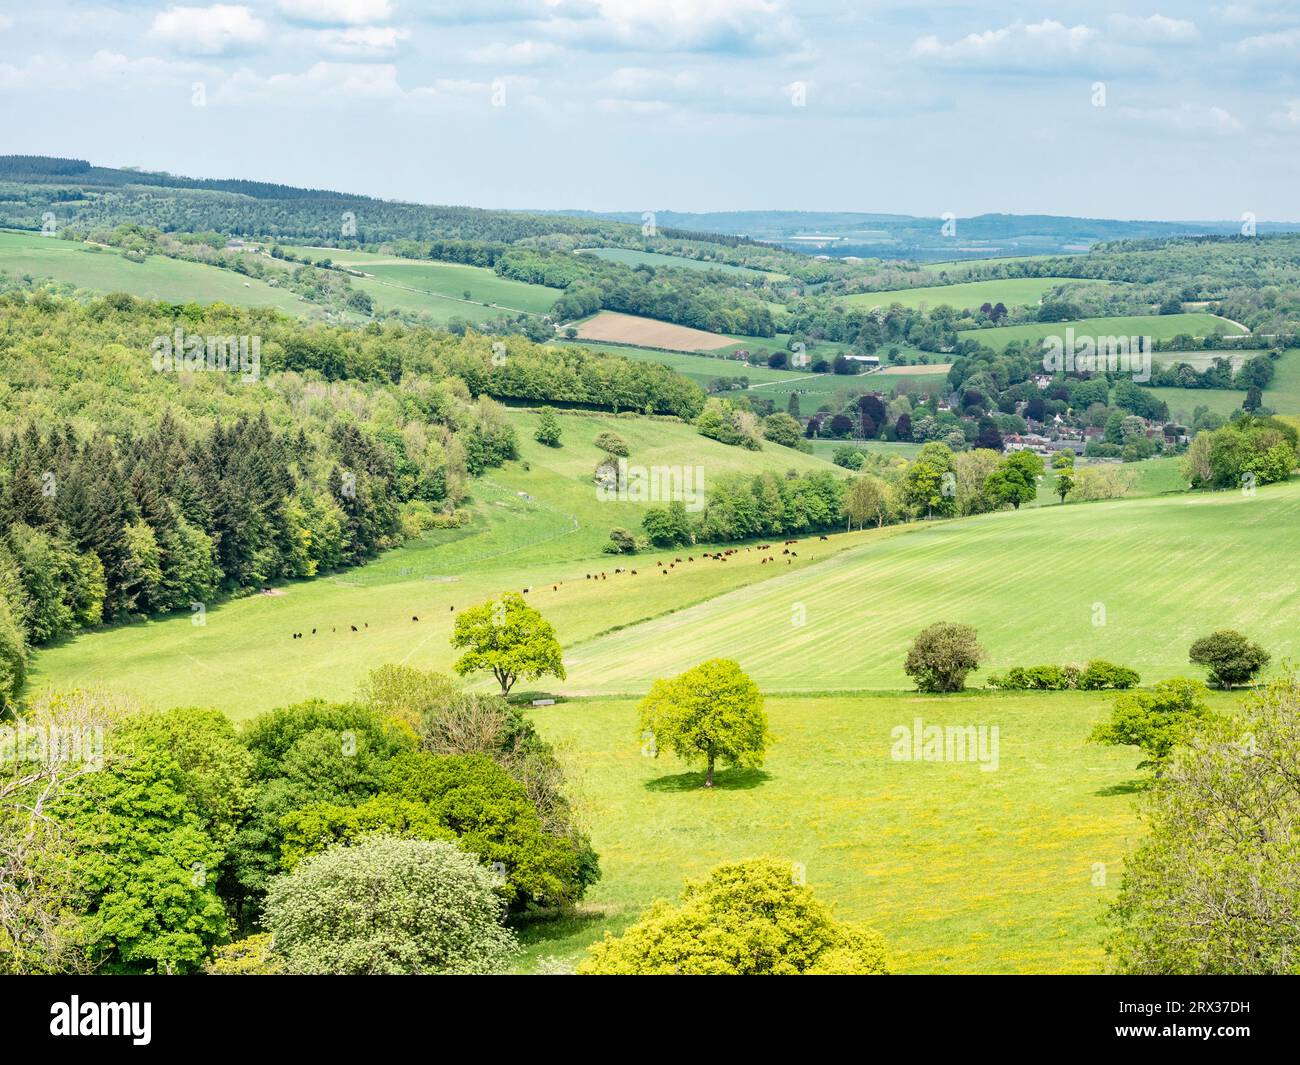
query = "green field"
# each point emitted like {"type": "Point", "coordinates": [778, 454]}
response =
{"type": "Point", "coordinates": [1156, 326]}
{"type": "Point", "coordinates": [514, 542]}
{"type": "Point", "coordinates": [100, 269]}
{"type": "Point", "coordinates": [824, 448]}
{"type": "Point", "coordinates": [434, 288]}
{"type": "Point", "coordinates": [699, 368]}
{"type": "Point", "coordinates": [633, 257]}
{"type": "Point", "coordinates": [961, 870]}
{"type": "Point", "coordinates": [1156, 565]}
{"type": "Point", "coordinates": [1013, 292]}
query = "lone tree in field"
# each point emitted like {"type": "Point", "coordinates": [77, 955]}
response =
{"type": "Point", "coordinates": [508, 637]}
{"type": "Point", "coordinates": [751, 918]}
{"type": "Point", "coordinates": [711, 713]}
{"type": "Point", "coordinates": [1230, 658]}
{"type": "Point", "coordinates": [941, 656]}
{"type": "Point", "coordinates": [548, 428]}
{"type": "Point", "coordinates": [1213, 887]}
{"type": "Point", "coordinates": [1157, 721]}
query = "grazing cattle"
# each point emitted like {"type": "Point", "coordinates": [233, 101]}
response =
{"type": "Point", "coordinates": [794, 554]}
{"type": "Point", "coordinates": [451, 608]}
{"type": "Point", "coordinates": [823, 537]}
{"type": "Point", "coordinates": [354, 628]}
{"type": "Point", "coordinates": [691, 559]}
{"type": "Point", "coordinates": [313, 632]}
{"type": "Point", "coordinates": [677, 560]}
{"type": "Point", "coordinates": [414, 617]}
{"type": "Point", "coordinates": [588, 576]}
{"type": "Point", "coordinates": [555, 587]}
{"type": "Point", "coordinates": [634, 573]}
{"type": "Point", "coordinates": [366, 624]}
{"type": "Point", "coordinates": [785, 550]}
{"type": "Point", "coordinates": [527, 590]}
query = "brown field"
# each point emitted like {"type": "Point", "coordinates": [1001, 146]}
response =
{"type": "Point", "coordinates": [917, 371]}
{"type": "Point", "coordinates": [648, 333]}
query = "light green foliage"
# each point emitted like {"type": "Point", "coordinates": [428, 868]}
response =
{"type": "Point", "coordinates": [747, 919]}
{"type": "Point", "coordinates": [145, 864]}
{"type": "Point", "coordinates": [1155, 722]}
{"type": "Point", "coordinates": [1213, 888]}
{"type": "Point", "coordinates": [711, 713]}
{"type": "Point", "coordinates": [508, 637]}
{"type": "Point", "coordinates": [389, 907]}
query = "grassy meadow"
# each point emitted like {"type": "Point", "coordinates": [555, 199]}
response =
{"type": "Point", "coordinates": [1013, 292]}
{"type": "Point", "coordinates": [962, 870]}
{"type": "Point", "coordinates": [634, 257]}
{"type": "Point", "coordinates": [100, 269]}
{"type": "Point", "coordinates": [434, 288]}
{"type": "Point", "coordinates": [1156, 326]}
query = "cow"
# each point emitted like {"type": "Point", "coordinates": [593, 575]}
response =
{"type": "Point", "coordinates": [414, 617]}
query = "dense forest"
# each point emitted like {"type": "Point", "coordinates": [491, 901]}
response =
{"type": "Point", "coordinates": [130, 485]}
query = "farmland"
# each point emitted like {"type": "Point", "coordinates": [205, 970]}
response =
{"type": "Point", "coordinates": [105, 270]}
{"type": "Point", "coordinates": [962, 871]}
{"type": "Point", "coordinates": [1013, 292]}
{"type": "Point", "coordinates": [433, 288]}
{"type": "Point", "coordinates": [633, 257]}
{"type": "Point", "coordinates": [1156, 326]}
{"type": "Point", "coordinates": [649, 333]}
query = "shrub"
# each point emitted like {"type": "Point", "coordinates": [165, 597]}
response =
{"type": "Point", "coordinates": [612, 443]}
{"type": "Point", "coordinates": [941, 656]}
{"type": "Point", "coordinates": [389, 907]}
{"type": "Point", "coordinates": [1099, 675]}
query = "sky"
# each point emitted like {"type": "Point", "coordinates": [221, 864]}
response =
{"type": "Point", "coordinates": [1181, 110]}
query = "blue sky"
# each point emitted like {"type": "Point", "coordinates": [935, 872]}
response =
{"type": "Point", "coordinates": [1187, 110]}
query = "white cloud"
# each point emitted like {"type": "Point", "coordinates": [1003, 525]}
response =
{"type": "Point", "coordinates": [103, 68]}
{"type": "Point", "coordinates": [519, 54]}
{"type": "Point", "coordinates": [337, 12]}
{"type": "Point", "coordinates": [1288, 118]}
{"type": "Point", "coordinates": [1154, 29]}
{"type": "Point", "coordinates": [1189, 118]}
{"type": "Point", "coordinates": [1281, 45]}
{"type": "Point", "coordinates": [363, 80]}
{"type": "Point", "coordinates": [214, 30]}
{"type": "Point", "coordinates": [1021, 46]}
{"type": "Point", "coordinates": [740, 27]}
{"type": "Point", "coordinates": [359, 42]}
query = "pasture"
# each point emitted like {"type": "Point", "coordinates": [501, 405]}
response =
{"type": "Point", "coordinates": [1012, 292]}
{"type": "Point", "coordinates": [1159, 572]}
{"type": "Point", "coordinates": [101, 269]}
{"type": "Point", "coordinates": [961, 870]}
{"type": "Point", "coordinates": [435, 288]}
{"type": "Point", "coordinates": [635, 257]}
{"type": "Point", "coordinates": [243, 660]}
{"type": "Point", "coordinates": [1156, 326]}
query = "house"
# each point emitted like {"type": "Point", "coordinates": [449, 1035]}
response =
{"type": "Point", "coordinates": [1042, 380]}
{"type": "Point", "coordinates": [870, 362]}
{"type": "Point", "coordinates": [1039, 445]}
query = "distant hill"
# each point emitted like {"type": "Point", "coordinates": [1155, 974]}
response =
{"type": "Point", "coordinates": [866, 235]}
